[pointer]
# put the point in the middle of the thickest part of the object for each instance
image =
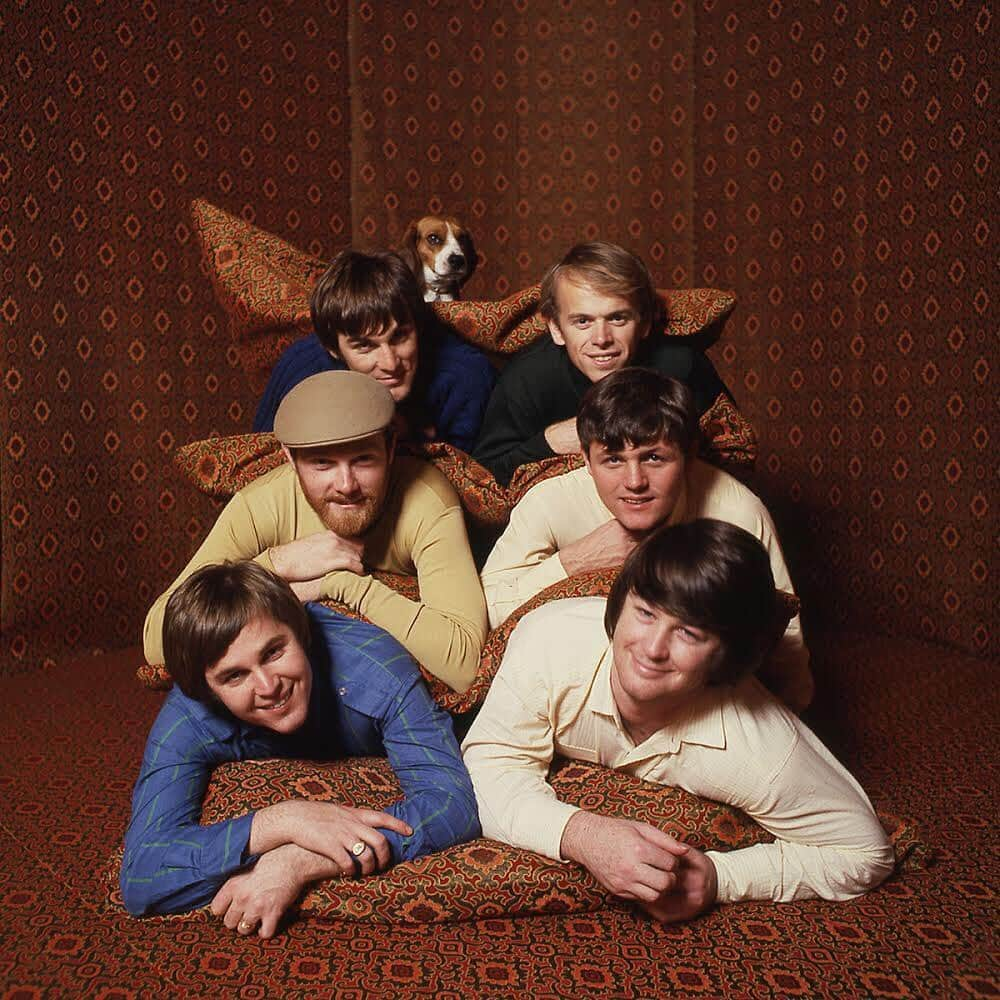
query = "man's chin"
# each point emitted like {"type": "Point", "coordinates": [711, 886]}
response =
{"type": "Point", "coordinates": [640, 521]}
{"type": "Point", "coordinates": [350, 523]}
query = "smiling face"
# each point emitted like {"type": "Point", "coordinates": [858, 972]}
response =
{"type": "Point", "coordinates": [600, 331]}
{"type": "Point", "coordinates": [264, 677]}
{"type": "Point", "coordinates": [639, 484]}
{"type": "Point", "coordinates": [388, 355]}
{"type": "Point", "coordinates": [345, 484]}
{"type": "Point", "coordinates": [660, 661]}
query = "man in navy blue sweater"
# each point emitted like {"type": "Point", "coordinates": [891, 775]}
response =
{"type": "Point", "coordinates": [259, 675]}
{"type": "Point", "coordinates": [369, 316]}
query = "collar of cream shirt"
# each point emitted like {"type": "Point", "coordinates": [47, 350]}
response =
{"type": "Point", "coordinates": [700, 724]}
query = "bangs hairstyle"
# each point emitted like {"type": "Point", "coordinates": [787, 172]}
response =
{"type": "Point", "coordinates": [360, 294]}
{"type": "Point", "coordinates": [609, 269]}
{"type": "Point", "coordinates": [637, 406]}
{"type": "Point", "coordinates": [209, 610]}
{"type": "Point", "coordinates": [709, 574]}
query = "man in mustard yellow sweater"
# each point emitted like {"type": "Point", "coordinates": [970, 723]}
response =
{"type": "Point", "coordinates": [344, 505]}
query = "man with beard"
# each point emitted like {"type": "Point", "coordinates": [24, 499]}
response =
{"type": "Point", "coordinates": [344, 505]}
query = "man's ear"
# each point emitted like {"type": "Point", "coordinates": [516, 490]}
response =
{"type": "Point", "coordinates": [288, 455]}
{"type": "Point", "coordinates": [556, 333]}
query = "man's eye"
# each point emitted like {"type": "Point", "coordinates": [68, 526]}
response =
{"type": "Point", "coordinates": [690, 635]}
{"type": "Point", "coordinates": [644, 613]}
{"type": "Point", "coordinates": [231, 680]}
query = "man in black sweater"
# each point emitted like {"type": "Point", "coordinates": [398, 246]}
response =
{"type": "Point", "coordinates": [603, 314]}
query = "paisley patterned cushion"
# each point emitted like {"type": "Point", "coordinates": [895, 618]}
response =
{"type": "Point", "coordinates": [221, 466]}
{"type": "Point", "coordinates": [484, 878]}
{"type": "Point", "coordinates": [264, 284]}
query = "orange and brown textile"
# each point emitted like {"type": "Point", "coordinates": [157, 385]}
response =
{"type": "Point", "coordinates": [485, 879]}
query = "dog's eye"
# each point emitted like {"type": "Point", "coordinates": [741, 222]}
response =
{"type": "Point", "coordinates": [433, 240]}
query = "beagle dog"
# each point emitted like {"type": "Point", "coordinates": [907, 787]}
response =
{"type": "Point", "coordinates": [440, 252]}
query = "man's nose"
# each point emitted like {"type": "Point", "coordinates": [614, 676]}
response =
{"type": "Point", "coordinates": [658, 643]}
{"type": "Point", "coordinates": [635, 476]}
{"type": "Point", "coordinates": [265, 682]}
{"type": "Point", "coordinates": [385, 358]}
{"type": "Point", "coordinates": [345, 481]}
{"type": "Point", "coordinates": [600, 334]}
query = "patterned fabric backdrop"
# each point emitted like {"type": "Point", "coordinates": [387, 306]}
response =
{"type": "Point", "coordinates": [829, 163]}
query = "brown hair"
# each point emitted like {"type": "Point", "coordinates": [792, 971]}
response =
{"type": "Point", "coordinates": [712, 575]}
{"type": "Point", "coordinates": [360, 294]}
{"type": "Point", "coordinates": [637, 405]}
{"type": "Point", "coordinates": [609, 269]}
{"type": "Point", "coordinates": [209, 610]}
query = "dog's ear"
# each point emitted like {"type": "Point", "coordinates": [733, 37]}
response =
{"type": "Point", "coordinates": [469, 249]}
{"type": "Point", "coordinates": [407, 249]}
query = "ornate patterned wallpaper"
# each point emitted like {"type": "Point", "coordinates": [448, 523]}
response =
{"type": "Point", "coordinates": [113, 118]}
{"type": "Point", "coordinates": [829, 163]}
{"type": "Point", "coordinates": [843, 164]}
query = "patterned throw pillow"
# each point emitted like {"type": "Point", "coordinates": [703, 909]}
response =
{"type": "Point", "coordinates": [264, 284]}
{"type": "Point", "coordinates": [483, 878]}
{"type": "Point", "coordinates": [221, 466]}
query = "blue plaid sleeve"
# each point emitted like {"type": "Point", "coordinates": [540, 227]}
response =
{"type": "Point", "coordinates": [386, 708]}
{"type": "Point", "coordinates": [171, 862]}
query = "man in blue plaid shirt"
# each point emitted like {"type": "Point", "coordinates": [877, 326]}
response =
{"type": "Point", "coordinates": [258, 675]}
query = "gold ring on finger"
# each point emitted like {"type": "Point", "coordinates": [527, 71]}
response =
{"type": "Point", "coordinates": [359, 848]}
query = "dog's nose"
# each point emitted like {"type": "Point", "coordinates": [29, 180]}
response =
{"type": "Point", "coordinates": [456, 260]}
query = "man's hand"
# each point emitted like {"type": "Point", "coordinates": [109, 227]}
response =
{"type": "Point", "coordinates": [632, 860]}
{"type": "Point", "coordinates": [605, 547]}
{"type": "Point", "coordinates": [330, 830]}
{"type": "Point", "coordinates": [316, 555]}
{"type": "Point", "coordinates": [255, 901]}
{"type": "Point", "coordinates": [696, 890]}
{"type": "Point", "coordinates": [562, 437]}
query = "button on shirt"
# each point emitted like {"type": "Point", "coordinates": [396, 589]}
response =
{"type": "Point", "coordinates": [736, 745]}
{"type": "Point", "coordinates": [368, 699]}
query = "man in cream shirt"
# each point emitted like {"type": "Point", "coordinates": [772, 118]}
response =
{"type": "Point", "coordinates": [638, 434]}
{"type": "Point", "coordinates": [657, 682]}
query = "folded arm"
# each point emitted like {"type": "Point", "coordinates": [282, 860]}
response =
{"type": "Point", "coordinates": [508, 752]}
{"type": "Point", "coordinates": [171, 862]}
{"type": "Point", "coordinates": [438, 802]}
{"type": "Point", "coordinates": [512, 435]}
{"type": "Point", "coordinates": [445, 629]}
{"type": "Point", "coordinates": [829, 842]}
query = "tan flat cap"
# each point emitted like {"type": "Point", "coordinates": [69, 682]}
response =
{"type": "Point", "coordinates": [333, 408]}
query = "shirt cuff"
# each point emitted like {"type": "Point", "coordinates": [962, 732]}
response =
{"type": "Point", "coordinates": [542, 834]}
{"type": "Point", "coordinates": [741, 877]}
{"type": "Point", "coordinates": [504, 600]}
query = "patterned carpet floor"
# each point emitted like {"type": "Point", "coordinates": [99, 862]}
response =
{"type": "Point", "coordinates": [916, 723]}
